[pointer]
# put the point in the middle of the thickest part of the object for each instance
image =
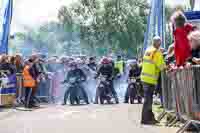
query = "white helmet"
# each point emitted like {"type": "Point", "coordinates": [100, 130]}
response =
{"type": "Point", "coordinates": [79, 61]}
{"type": "Point", "coordinates": [131, 62]}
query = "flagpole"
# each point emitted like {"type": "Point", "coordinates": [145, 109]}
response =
{"type": "Point", "coordinates": [7, 11]}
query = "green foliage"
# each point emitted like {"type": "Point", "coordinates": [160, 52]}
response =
{"type": "Point", "coordinates": [20, 35]}
{"type": "Point", "coordinates": [93, 27]}
{"type": "Point", "coordinates": [115, 24]}
{"type": "Point", "coordinates": [168, 12]}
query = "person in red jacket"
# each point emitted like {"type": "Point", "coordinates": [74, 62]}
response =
{"type": "Point", "coordinates": [182, 29]}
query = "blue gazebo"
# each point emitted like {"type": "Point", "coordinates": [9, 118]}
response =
{"type": "Point", "coordinates": [193, 16]}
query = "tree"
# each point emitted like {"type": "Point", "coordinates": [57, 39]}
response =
{"type": "Point", "coordinates": [114, 24]}
{"type": "Point", "coordinates": [94, 27]}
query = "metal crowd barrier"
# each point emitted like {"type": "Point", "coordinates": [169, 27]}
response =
{"type": "Point", "coordinates": [43, 91]}
{"type": "Point", "coordinates": [187, 94]}
{"type": "Point", "coordinates": [169, 102]}
{"type": "Point", "coordinates": [181, 93]}
{"type": "Point", "coordinates": [168, 86]}
{"type": "Point", "coordinates": [20, 92]}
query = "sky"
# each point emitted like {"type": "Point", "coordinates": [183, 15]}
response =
{"type": "Point", "coordinates": [31, 13]}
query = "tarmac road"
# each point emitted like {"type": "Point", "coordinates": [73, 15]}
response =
{"type": "Point", "coordinates": [122, 118]}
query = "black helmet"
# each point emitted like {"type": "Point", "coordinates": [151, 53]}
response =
{"type": "Point", "coordinates": [91, 58]}
{"type": "Point", "coordinates": [72, 64]}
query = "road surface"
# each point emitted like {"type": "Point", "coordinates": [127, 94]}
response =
{"type": "Point", "coordinates": [121, 118]}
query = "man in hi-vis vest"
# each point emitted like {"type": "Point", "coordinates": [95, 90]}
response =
{"type": "Point", "coordinates": [119, 66]}
{"type": "Point", "coordinates": [153, 63]}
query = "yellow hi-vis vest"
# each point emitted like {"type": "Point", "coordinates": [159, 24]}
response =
{"type": "Point", "coordinates": [119, 65]}
{"type": "Point", "coordinates": [153, 63]}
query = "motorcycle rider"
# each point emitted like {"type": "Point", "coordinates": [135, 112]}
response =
{"type": "Point", "coordinates": [134, 72]}
{"type": "Point", "coordinates": [91, 82]}
{"type": "Point", "coordinates": [106, 69]}
{"type": "Point", "coordinates": [92, 64]}
{"type": "Point", "coordinates": [77, 73]}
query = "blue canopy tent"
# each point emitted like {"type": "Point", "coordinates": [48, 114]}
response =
{"type": "Point", "coordinates": [193, 16]}
{"type": "Point", "coordinates": [6, 19]}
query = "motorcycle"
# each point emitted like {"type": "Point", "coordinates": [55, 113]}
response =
{"type": "Point", "coordinates": [74, 86]}
{"type": "Point", "coordinates": [134, 90]}
{"type": "Point", "coordinates": [104, 90]}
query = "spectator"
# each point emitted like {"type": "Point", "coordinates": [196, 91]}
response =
{"type": "Point", "coordinates": [170, 54]}
{"type": "Point", "coordinates": [29, 84]}
{"type": "Point", "coordinates": [12, 60]}
{"type": "Point", "coordinates": [92, 64]}
{"type": "Point", "coordinates": [12, 63]}
{"type": "Point", "coordinates": [19, 69]}
{"type": "Point", "coordinates": [19, 63]}
{"type": "Point", "coordinates": [194, 39]}
{"type": "Point", "coordinates": [5, 66]}
{"type": "Point", "coordinates": [34, 71]}
{"type": "Point", "coordinates": [181, 29]}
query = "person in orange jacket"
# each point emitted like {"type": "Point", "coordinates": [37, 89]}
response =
{"type": "Point", "coordinates": [29, 84]}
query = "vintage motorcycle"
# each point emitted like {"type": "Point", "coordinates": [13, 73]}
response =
{"type": "Point", "coordinates": [74, 90]}
{"type": "Point", "coordinates": [134, 90]}
{"type": "Point", "coordinates": [104, 88]}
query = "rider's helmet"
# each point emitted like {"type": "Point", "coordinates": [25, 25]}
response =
{"type": "Point", "coordinates": [79, 61]}
{"type": "Point", "coordinates": [105, 61]}
{"type": "Point", "coordinates": [64, 59]}
{"type": "Point", "coordinates": [83, 58]}
{"type": "Point", "coordinates": [73, 64]}
{"type": "Point", "coordinates": [91, 59]}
